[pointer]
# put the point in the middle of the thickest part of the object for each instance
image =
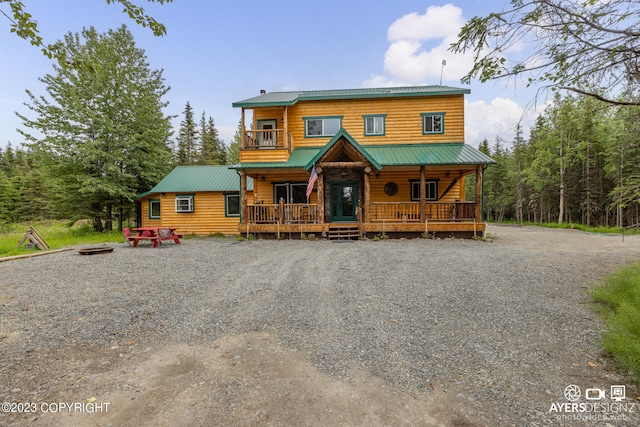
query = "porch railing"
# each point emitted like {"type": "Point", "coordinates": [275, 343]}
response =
{"type": "Point", "coordinates": [410, 211]}
{"type": "Point", "coordinates": [284, 213]}
{"type": "Point", "coordinates": [302, 213]}
{"type": "Point", "coordinates": [265, 139]}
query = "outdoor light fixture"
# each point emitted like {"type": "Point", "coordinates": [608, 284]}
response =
{"type": "Point", "coordinates": [448, 174]}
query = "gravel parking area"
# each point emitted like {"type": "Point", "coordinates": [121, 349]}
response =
{"type": "Point", "coordinates": [397, 332]}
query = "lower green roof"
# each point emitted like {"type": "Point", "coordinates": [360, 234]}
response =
{"type": "Point", "coordinates": [191, 179]}
{"type": "Point", "coordinates": [391, 155]}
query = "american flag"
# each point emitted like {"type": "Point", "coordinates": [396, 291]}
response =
{"type": "Point", "coordinates": [312, 180]}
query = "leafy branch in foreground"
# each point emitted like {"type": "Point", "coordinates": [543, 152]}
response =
{"type": "Point", "coordinates": [25, 26]}
{"type": "Point", "coordinates": [588, 47]}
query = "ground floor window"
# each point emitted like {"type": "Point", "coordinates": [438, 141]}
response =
{"type": "Point", "coordinates": [154, 208]}
{"type": "Point", "coordinates": [232, 204]}
{"type": "Point", "coordinates": [290, 192]}
{"type": "Point", "coordinates": [184, 203]}
{"type": "Point", "coordinates": [432, 189]}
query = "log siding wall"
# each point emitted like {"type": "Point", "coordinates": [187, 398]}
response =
{"type": "Point", "coordinates": [403, 121]}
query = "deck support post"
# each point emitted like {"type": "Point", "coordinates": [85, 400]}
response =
{"type": "Point", "coordinates": [243, 198]}
{"type": "Point", "coordinates": [479, 195]}
{"type": "Point", "coordinates": [423, 194]}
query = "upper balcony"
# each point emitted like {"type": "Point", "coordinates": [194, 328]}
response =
{"type": "Point", "coordinates": [265, 139]}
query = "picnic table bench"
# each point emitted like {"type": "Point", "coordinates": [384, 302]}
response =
{"type": "Point", "coordinates": [153, 234]}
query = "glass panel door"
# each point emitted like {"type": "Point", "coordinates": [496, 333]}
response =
{"type": "Point", "coordinates": [344, 201]}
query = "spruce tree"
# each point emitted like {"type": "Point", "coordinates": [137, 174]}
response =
{"type": "Point", "coordinates": [103, 127]}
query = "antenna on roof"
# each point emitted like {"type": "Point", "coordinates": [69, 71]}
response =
{"type": "Point", "coordinates": [444, 62]}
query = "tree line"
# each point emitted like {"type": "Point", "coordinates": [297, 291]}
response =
{"type": "Point", "coordinates": [100, 137]}
{"type": "Point", "coordinates": [579, 165]}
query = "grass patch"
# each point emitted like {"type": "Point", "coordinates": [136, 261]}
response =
{"type": "Point", "coordinates": [598, 229]}
{"type": "Point", "coordinates": [57, 234]}
{"type": "Point", "coordinates": [618, 299]}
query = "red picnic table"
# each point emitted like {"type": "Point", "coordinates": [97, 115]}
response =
{"type": "Point", "coordinates": [154, 234]}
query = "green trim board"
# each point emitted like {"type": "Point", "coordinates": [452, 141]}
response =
{"type": "Point", "coordinates": [151, 204]}
{"type": "Point", "coordinates": [366, 117]}
{"type": "Point", "coordinates": [274, 99]}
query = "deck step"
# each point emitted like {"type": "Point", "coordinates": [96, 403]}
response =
{"type": "Point", "coordinates": [344, 232]}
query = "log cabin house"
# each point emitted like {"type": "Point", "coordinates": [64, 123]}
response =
{"type": "Point", "coordinates": [389, 161]}
{"type": "Point", "coordinates": [195, 200]}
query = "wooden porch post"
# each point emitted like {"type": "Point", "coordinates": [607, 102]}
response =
{"type": "Point", "coordinates": [242, 135]}
{"type": "Point", "coordinates": [320, 195]}
{"type": "Point", "coordinates": [285, 124]}
{"type": "Point", "coordinates": [367, 195]}
{"type": "Point", "coordinates": [423, 194]}
{"type": "Point", "coordinates": [243, 197]}
{"type": "Point", "coordinates": [479, 195]}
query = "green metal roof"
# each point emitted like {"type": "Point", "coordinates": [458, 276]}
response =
{"type": "Point", "coordinates": [192, 179]}
{"type": "Point", "coordinates": [273, 99]}
{"type": "Point", "coordinates": [388, 155]}
{"type": "Point", "coordinates": [428, 154]}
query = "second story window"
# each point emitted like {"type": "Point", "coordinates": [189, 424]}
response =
{"type": "Point", "coordinates": [321, 126]}
{"type": "Point", "coordinates": [374, 124]}
{"type": "Point", "coordinates": [432, 123]}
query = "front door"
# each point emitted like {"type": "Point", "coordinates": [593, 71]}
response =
{"type": "Point", "coordinates": [344, 201]}
{"type": "Point", "coordinates": [267, 139]}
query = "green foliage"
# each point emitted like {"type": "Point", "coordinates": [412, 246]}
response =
{"type": "Point", "coordinates": [105, 134]}
{"type": "Point", "coordinates": [214, 152]}
{"type": "Point", "coordinates": [233, 153]}
{"type": "Point", "coordinates": [578, 166]}
{"type": "Point", "coordinates": [619, 302]}
{"type": "Point", "coordinates": [25, 26]}
{"type": "Point", "coordinates": [187, 141]}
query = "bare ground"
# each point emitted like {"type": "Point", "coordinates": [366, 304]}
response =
{"type": "Point", "coordinates": [257, 377]}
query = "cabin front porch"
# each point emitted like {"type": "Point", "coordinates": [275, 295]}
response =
{"type": "Point", "coordinates": [408, 219]}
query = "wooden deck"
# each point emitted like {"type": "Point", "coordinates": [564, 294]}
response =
{"type": "Point", "coordinates": [403, 219]}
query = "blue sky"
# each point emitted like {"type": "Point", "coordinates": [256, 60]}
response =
{"type": "Point", "coordinates": [216, 53]}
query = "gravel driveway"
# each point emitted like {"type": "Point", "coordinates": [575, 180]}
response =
{"type": "Point", "coordinates": [396, 332]}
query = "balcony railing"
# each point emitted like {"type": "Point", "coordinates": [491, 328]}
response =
{"type": "Point", "coordinates": [265, 139]}
{"type": "Point", "coordinates": [410, 211]}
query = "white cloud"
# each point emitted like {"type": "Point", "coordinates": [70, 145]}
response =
{"type": "Point", "coordinates": [496, 119]}
{"type": "Point", "coordinates": [419, 43]}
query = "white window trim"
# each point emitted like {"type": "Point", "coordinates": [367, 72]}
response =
{"type": "Point", "coordinates": [189, 198]}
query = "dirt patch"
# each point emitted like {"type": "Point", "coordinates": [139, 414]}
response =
{"type": "Point", "coordinates": [242, 380]}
